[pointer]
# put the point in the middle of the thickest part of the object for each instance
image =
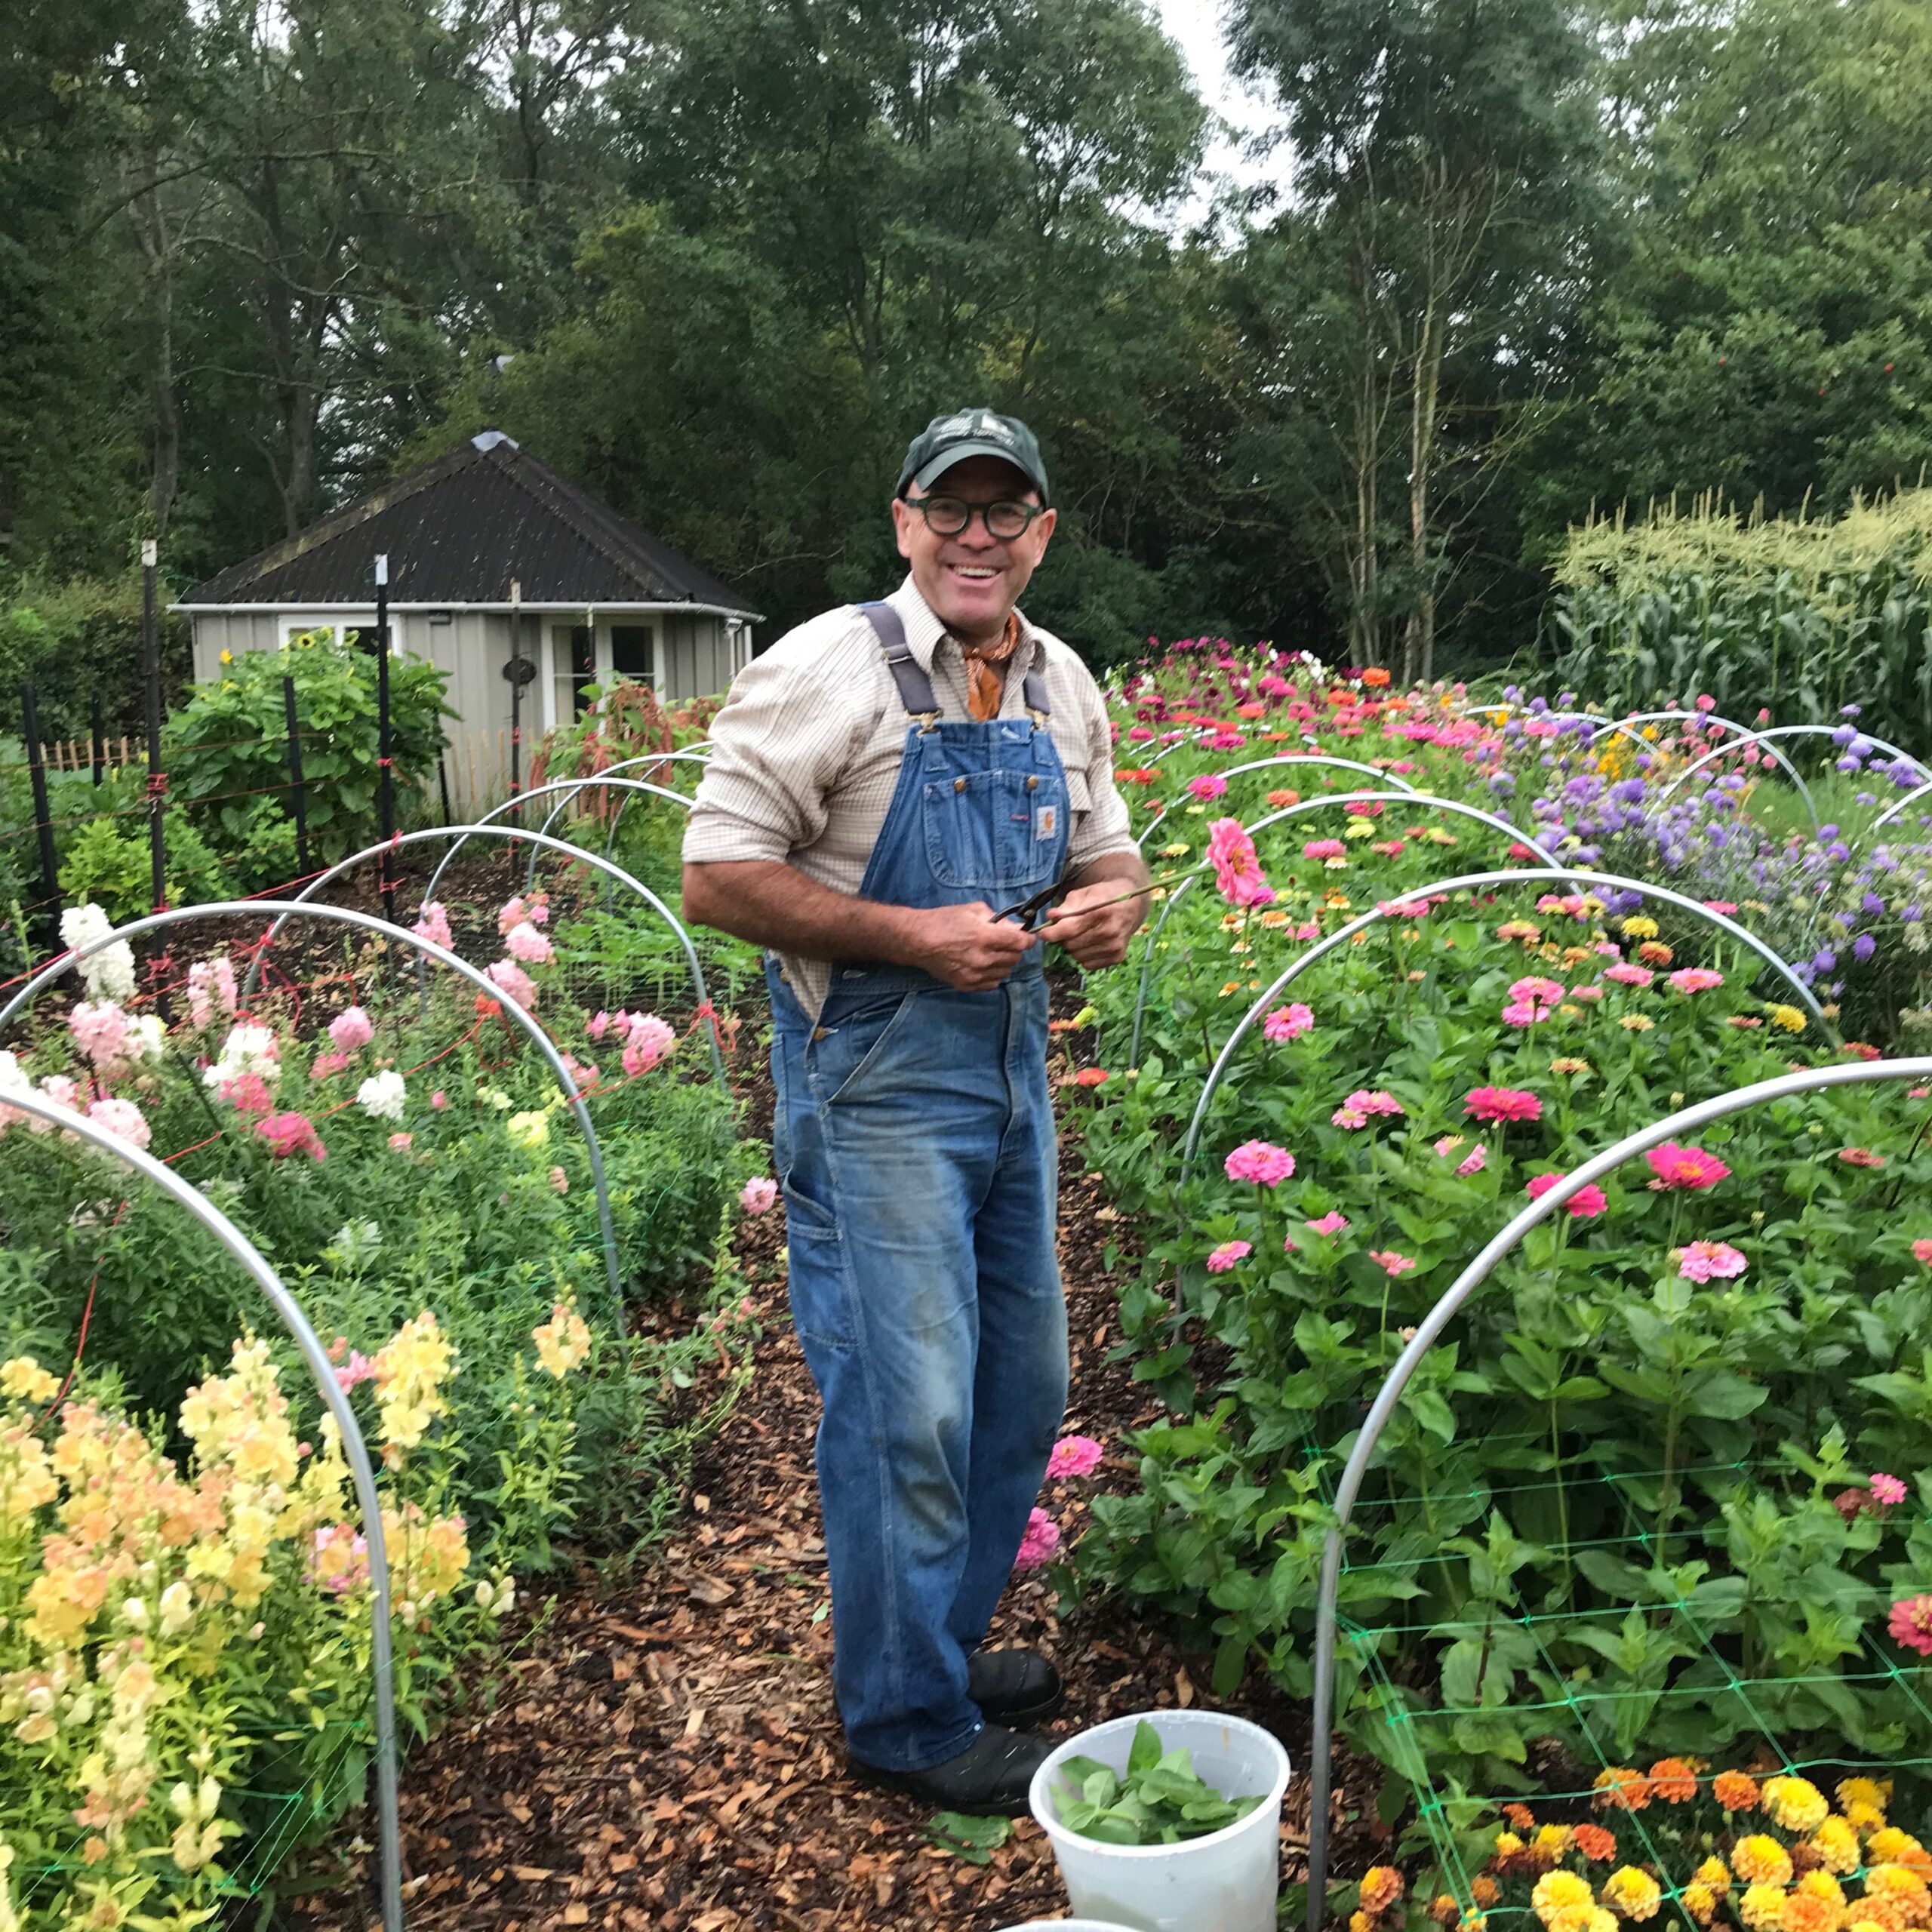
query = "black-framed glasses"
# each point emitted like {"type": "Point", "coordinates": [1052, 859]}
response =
{"type": "Point", "coordinates": [1005, 518]}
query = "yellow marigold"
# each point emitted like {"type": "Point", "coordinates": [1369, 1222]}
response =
{"type": "Point", "coordinates": [1474, 1921]}
{"type": "Point", "coordinates": [1889, 1845]}
{"type": "Point", "coordinates": [1820, 1885]}
{"type": "Point", "coordinates": [1632, 1893]}
{"type": "Point", "coordinates": [1868, 1792]}
{"type": "Point", "coordinates": [1360, 1922]}
{"type": "Point", "coordinates": [1762, 1907]}
{"type": "Point", "coordinates": [1864, 1817]}
{"type": "Point", "coordinates": [1638, 926]}
{"type": "Point", "coordinates": [1554, 1839]}
{"type": "Point", "coordinates": [1506, 1842]}
{"type": "Point", "coordinates": [1700, 1902]}
{"type": "Point", "coordinates": [1899, 1882]}
{"type": "Point", "coordinates": [1836, 1844]}
{"type": "Point", "coordinates": [1796, 1804]}
{"type": "Point", "coordinates": [1805, 1911]}
{"type": "Point", "coordinates": [1673, 1781]}
{"type": "Point", "coordinates": [1735, 1791]}
{"type": "Point", "coordinates": [1485, 1890]}
{"type": "Point", "coordinates": [1621, 1788]}
{"type": "Point", "coordinates": [1864, 1925]}
{"type": "Point", "coordinates": [1714, 1873]}
{"type": "Point", "coordinates": [1381, 1887]}
{"type": "Point", "coordinates": [24, 1379]}
{"type": "Point", "coordinates": [1760, 1860]}
{"type": "Point", "coordinates": [1792, 1021]}
{"type": "Point", "coordinates": [1558, 1892]}
{"type": "Point", "coordinates": [1584, 1918]}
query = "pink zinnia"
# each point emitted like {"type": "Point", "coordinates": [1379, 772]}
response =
{"type": "Point", "coordinates": [1209, 785]}
{"type": "Point", "coordinates": [1325, 848]}
{"type": "Point", "coordinates": [1037, 1545]}
{"type": "Point", "coordinates": [1590, 995]}
{"type": "Point", "coordinates": [1888, 1489]}
{"type": "Point", "coordinates": [1693, 979]}
{"type": "Point", "coordinates": [1911, 1624]}
{"type": "Point", "coordinates": [1073, 1456]}
{"type": "Point", "coordinates": [1676, 1166]}
{"type": "Point", "coordinates": [123, 1118]}
{"type": "Point", "coordinates": [1258, 1161]}
{"type": "Point", "coordinates": [510, 979]}
{"type": "Point", "coordinates": [1220, 1260]}
{"type": "Point", "coordinates": [1332, 1222]}
{"type": "Point", "coordinates": [1860, 1157]}
{"type": "Point", "coordinates": [1585, 1203]}
{"type": "Point", "coordinates": [432, 923]}
{"type": "Point", "coordinates": [1396, 1264]}
{"type": "Point", "coordinates": [525, 943]}
{"type": "Point", "coordinates": [1521, 1013]}
{"type": "Point", "coordinates": [1703, 1259]}
{"type": "Point", "coordinates": [1625, 974]}
{"type": "Point", "coordinates": [1496, 1103]}
{"type": "Point", "coordinates": [351, 1030]}
{"type": "Point", "coordinates": [291, 1133]}
{"type": "Point", "coordinates": [1474, 1161]}
{"type": "Point", "coordinates": [1539, 992]}
{"type": "Point", "coordinates": [1237, 870]}
{"type": "Point", "coordinates": [757, 1194]}
{"type": "Point", "coordinates": [650, 1040]}
{"type": "Point", "coordinates": [1288, 1023]}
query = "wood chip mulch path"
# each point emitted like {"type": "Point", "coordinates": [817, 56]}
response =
{"type": "Point", "coordinates": [664, 1753]}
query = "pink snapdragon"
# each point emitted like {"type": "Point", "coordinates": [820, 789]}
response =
{"type": "Point", "coordinates": [525, 943]}
{"type": "Point", "coordinates": [62, 1092]}
{"type": "Point", "coordinates": [649, 1040]}
{"type": "Point", "coordinates": [1288, 1023]}
{"type": "Point", "coordinates": [1260, 1162]}
{"type": "Point", "coordinates": [583, 1076]}
{"type": "Point", "coordinates": [1037, 1545]}
{"type": "Point", "coordinates": [248, 1094]}
{"type": "Point", "coordinates": [101, 1030]}
{"type": "Point", "coordinates": [1237, 870]}
{"type": "Point", "coordinates": [560, 1180]}
{"type": "Point", "coordinates": [123, 1118]}
{"type": "Point", "coordinates": [1220, 1260]}
{"type": "Point", "coordinates": [1585, 1204]}
{"type": "Point", "coordinates": [401, 1143]}
{"type": "Point", "coordinates": [358, 1369]}
{"type": "Point", "coordinates": [211, 991]}
{"type": "Point", "coordinates": [352, 1029]}
{"type": "Point", "coordinates": [1675, 1166]}
{"type": "Point", "coordinates": [1703, 1260]}
{"type": "Point", "coordinates": [517, 911]}
{"type": "Point", "coordinates": [432, 923]}
{"type": "Point", "coordinates": [758, 1195]}
{"type": "Point", "coordinates": [509, 979]}
{"type": "Point", "coordinates": [1693, 979]}
{"type": "Point", "coordinates": [1474, 1161]}
{"type": "Point", "coordinates": [1073, 1456]}
{"type": "Point", "coordinates": [598, 1025]}
{"type": "Point", "coordinates": [1503, 1103]}
{"type": "Point", "coordinates": [326, 1066]}
{"type": "Point", "coordinates": [288, 1134]}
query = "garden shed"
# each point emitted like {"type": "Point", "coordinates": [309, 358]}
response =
{"type": "Point", "coordinates": [493, 555]}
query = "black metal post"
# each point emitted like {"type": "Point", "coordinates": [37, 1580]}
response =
{"type": "Point", "coordinates": [151, 678]}
{"type": "Point", "coordinates": [99, 725]}
{"type": "Point", "coordinates": [516, 695]}
{"type": "Point", "coordinates": [43, 818]}
{"type": "Point", "coordinates": [297, 797]}
{"type": "Point", "coordinates": [443, 785]}
{"type": "Point", "coordinates": [384, 758]}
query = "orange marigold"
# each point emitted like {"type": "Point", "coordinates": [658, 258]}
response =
{"type": "Point", "coordinates": [1381, 1887]}
{"type": "Point", "coordinates": [1444, 1909]}
{"type": "Point", "coordinates": [1521, 1816]}
{"type": "Point", "coordinates": [1594, 1843]}
{"type": "Point", "coordinates": [1735, 1791]}
{"type": "Point", "coordinates": [1714, 1873]}
{"type": "Point", "coordinates": [1899, 1882]}
{"type": "Point", "coordinates": [1700, 1902]}
{"type": "Point", "coordinates": [1621, 1788]}
{"type": "Point", "coordinates": [1804, 1912]}
{"type": "Point", "coordinates": [1673, 1781]}
{"type": "Point", "coordinates": [1485, 1890]}
{"type": "Point", "coordinates": [1889, 1845]}
{"type": "Point", "coordinates": [1760, 1860]}
{"type": "Point", "coordinates": [1821, 1885]}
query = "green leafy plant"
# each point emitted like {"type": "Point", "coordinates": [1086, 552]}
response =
{"type": "Point", "coordinates": [1159, 1799]}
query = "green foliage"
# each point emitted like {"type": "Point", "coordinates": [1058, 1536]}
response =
{"type": "Point", "coordinates": [1159, 1799]}
{"type": "Point", "coordinates": [79, 640]}
{"type": "Point", "coordinates": [227, 748]}
{"type": "Point", "coordinates": [109, 860]}
{"type": "Point", "coordinates": [1803, 615]}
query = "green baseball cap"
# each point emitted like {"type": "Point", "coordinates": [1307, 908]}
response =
{"type": "Point", "coordinates": [951, 438]}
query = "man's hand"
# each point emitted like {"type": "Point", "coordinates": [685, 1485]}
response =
{"type": "Point", "coordinates": [965, 945]}
{"type": "Point", "coordinates": [1095, 922]}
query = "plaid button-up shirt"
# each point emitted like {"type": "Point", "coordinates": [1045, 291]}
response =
{"type": "Point", "coordinates": [809, 742]}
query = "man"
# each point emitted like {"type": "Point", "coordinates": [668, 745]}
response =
{"type": "Point", "coordinates": [889, 783]}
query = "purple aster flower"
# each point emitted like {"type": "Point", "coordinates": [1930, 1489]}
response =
{"type": "Point", "coordinates": [1863, 947]}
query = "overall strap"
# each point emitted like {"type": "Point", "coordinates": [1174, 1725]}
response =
{"type": "Point", "coordinates": [915, 688]}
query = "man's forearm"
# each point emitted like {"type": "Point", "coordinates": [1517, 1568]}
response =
{"type": "Point", "coordinates": [772, 904]}
{"type": "Point", "coordinates": [1129, 868]}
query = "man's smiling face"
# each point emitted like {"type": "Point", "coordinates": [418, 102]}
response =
{"type": "Point", "coordinates": [971, 582]}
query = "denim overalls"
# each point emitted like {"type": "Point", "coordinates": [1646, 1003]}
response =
{"type": "Point", "coordinates": [914, 1139]}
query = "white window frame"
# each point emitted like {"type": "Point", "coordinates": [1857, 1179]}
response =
{"type": "Point", "coordinates": [288, 624]}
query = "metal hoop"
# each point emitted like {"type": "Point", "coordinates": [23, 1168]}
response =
{"type": "Point", "coordinates": [543, 840]}
{"type": "Point", "coordinates": [367, 922]}
{"type": "Point", "coordinates": [354, 1450]}
{"type": "Point", "coordinates": [1892, 811]}
{"type": "Point", "coordinates": [1468, 882]}
{"type": "Point", "coordinates": [1428, 799]}
{"type": "Point", "coordinates": [1321, 1751]}
{"type": "Point", "coordinates": [564, 804]}
{"type": "Point", "coordinates": [1276, 763]}
{"type": "Point", "coordinates": [1782, 731]}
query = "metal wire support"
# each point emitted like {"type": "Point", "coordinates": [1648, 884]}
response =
{"type": "Point", "coordinates": [367, 922]}
{"type": "Point", "coordinates": [1784, 731]}
{"type": "Point", "coordinates": [354, 1450]}
{"type": "Point", "coordinates": [1467, 882]}
{"type": "Point", "coordinates": [1892, 811]}
{"type": "Point", "coordinates": [1321, 1750]}
{"type": "Point", "coordinates": [1292, 759]}
{"type": "Point", "coordinates": [564, 804]}
{"type": "Point", "coordinates": [1579, 880]}
{"type": "Point", "coordinates": [543, 840]}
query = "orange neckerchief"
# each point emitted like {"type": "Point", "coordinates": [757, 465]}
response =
{"type": "Point", "coordinates": [986, 669]}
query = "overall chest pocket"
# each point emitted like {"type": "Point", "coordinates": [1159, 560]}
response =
{"type": "Point", "coordinates": [995, 830]}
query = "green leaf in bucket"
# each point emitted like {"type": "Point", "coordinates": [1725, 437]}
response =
{"type": "Point", "coordinates": [1161, 1799]}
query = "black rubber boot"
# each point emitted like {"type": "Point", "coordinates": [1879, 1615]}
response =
{"type": "Point", "coordinates": [1017, 1688]}
{"type": "Point", "coordinates": [988, 1780]}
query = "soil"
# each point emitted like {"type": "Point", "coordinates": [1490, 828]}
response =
{"type": "Point", "coordinates": [664, 1752]}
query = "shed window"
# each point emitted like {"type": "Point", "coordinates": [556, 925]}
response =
{"type": "Point", "coordinates": [631, 654]}
{"type": "Point", "coordinates": [573, 652]}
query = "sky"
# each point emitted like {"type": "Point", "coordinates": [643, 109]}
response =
{"type": "Point", "coordinates": [1195, 25]}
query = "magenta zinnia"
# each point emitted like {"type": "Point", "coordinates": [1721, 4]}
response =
{"type": "Point", "coordinates": [1911, 1624]}
{"type": "Point", "coordinates": [1677, 1166]}
{"type": "Point", "coordinates": [1288, 1023]}
{"type": "Point", "coordinates": [1260, 1161]}
{"type": "Point", "coordinates": [1585, 1203]}
{"type": "Point", "coordinates": [1497, 1104]}
{"type": "Point", "coordinates": [1237, 870]}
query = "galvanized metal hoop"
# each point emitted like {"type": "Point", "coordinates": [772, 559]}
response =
{"type": "Point", "coordinates": [355, 1451]}
{"type": "Point", "coordinates": [1291, 760]}
{"type": "Point", "coordinates": [368, 922]}
{"type": "Point", "coordinates": [1782, 731]}
{"type": "Point", "coordinates": [1320, 1751]}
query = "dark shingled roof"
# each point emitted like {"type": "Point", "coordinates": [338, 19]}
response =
{"type": "Point", "coordinates": [458, 530]}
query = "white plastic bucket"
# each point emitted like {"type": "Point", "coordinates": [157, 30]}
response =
{"type": "Point", "coordinates": [1229, 1881]}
